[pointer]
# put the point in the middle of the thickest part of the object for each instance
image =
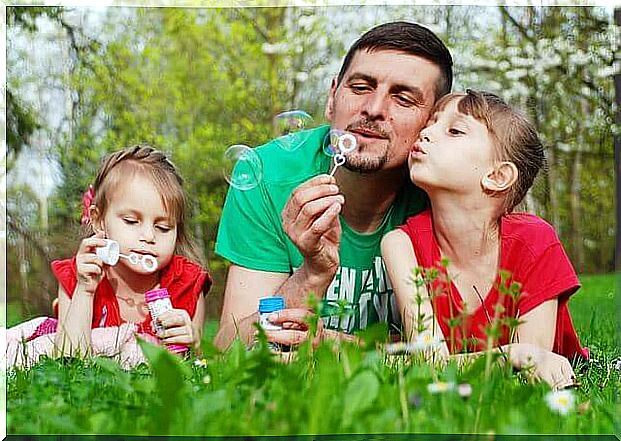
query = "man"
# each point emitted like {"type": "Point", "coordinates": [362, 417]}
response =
{"type": "Point", "coordinates": [302, 232]}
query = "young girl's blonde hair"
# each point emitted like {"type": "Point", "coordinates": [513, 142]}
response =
{"type": "Point", "coordinates": [122, 165]}
{"type": "Point", "coordinates": [513, 134]}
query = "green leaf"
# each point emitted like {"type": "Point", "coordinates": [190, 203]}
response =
{"type": "Point", "coordinates": [360, 394]}
{"type": "Point", "coordinates": [168, 374]}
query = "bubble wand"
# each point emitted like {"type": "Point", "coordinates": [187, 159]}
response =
{"type": "Point", "coordinates": [110, 254]}
{"type": "Point", "coordinates": [341, 142]}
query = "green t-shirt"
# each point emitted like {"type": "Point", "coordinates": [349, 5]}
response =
{"type": "Point", "coordinates": [251, 233]}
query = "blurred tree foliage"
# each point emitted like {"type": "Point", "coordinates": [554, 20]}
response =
{"type": "Point", "coordinates": [195, 81]}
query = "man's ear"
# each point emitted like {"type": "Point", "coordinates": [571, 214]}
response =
{"type": "Point", "coordinates": [329, 111]}
{"type": "Point", "coordinates": [97, 221]}
{"type": "Point", "coordinates": [500, 178]}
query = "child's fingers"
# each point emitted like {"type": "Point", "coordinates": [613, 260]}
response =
{"type": "Point", "coordinates": [174, 317]}
{"type": "Point", "coordinates": [89, 269]}
{"type": "Point", "coordinates": [90, 243]}
{"type": "Point", "coordinates": [90, 259]}
{"type": "Point", "coordinates": [179, 335]}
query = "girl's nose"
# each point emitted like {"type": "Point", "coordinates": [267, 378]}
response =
{"type": "Point", "coordinates": [148, 234]}
{"type": "Point", "coordinates": [424, 135]}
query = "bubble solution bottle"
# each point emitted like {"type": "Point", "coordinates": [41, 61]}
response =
{"type": "Point", "coordinates": [267, 306]}
{"type": "Point", "coordinates": [158, 302]}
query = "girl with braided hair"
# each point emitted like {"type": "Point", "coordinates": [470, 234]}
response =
{"type": "Point", "coordinates": [138, 202]}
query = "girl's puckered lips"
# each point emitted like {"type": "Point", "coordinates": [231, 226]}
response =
{"type": "Point", "coordinates": [417, 149]}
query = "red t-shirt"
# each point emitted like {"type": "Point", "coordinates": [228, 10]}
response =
{"type": "Point", "coordinates": [532, 254]}
{"type": "Point", "coordinates": [184, 279]}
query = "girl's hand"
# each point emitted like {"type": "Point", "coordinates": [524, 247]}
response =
{"type": "Point", "coordinates": [544, 365]}
{"type": "Point", "coordinates": [89, 267]}
{"type": "Point", "coordinates": [178, 328]}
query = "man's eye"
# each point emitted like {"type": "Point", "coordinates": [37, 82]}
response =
{"type": "Point", "coordinates": [360, 87]}
{"type": "Point", "coordinates": [405, 100]}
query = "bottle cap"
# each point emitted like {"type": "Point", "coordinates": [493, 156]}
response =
{"type": "Point", "coordinates": [156, 294]}
{"type": "Point", "coordinates": [271, 304]}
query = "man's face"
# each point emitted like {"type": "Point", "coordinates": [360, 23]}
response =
{"type": "Point", "coordinates": [384, 99]}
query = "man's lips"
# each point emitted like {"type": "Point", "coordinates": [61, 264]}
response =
{"type": "Point", "coordinates": [368, 133]}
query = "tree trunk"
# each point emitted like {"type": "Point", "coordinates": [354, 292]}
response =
{"type": "Point", "coordinates": [618, 156]}
{"type": "Point", "coordinates": [575, 230]}
{"type": "Point", "coordinates": [552, 179]}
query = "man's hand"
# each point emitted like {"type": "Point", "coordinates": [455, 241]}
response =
{"type": "Point", "coordinates": [295, 327]}
{"type": "Point", "coordinates": [295, 324]}
{"type": "Point", "coordinates": [310, 219]}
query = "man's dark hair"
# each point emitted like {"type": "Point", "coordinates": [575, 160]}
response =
{"type": "Point", "coordinates": [410, 38]}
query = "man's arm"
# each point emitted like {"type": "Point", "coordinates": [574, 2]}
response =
{"type": "Point", "coordinates": [244, 288]}
{"type": "Point", "coordinates": [310, 219]}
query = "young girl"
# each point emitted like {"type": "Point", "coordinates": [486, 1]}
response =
{"type": "Point", "coordinates": [476, 159]}
{"type": "Point", "coordinates": [138, 201]}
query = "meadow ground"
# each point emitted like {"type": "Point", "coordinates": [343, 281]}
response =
{"type": "Point", "coordinates": [330, 390]}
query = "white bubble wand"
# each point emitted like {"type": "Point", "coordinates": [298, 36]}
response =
{"type": "Point", "coordinates": [345, 143]}
{"type": "Point", "coordinates": [110, 254]}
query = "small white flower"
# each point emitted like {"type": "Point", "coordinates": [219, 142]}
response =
{"type": "Point", "coordinates": [561, 401]}
{"type": "Point", "coordinates": [464, 390]}
{"type": "Point", "coordinates": [440, 387]}
{"type": "Point", "coordinates": [207, 379]}
{"type": "Point", "coordinates": [200, 362]}
{"type": "Point", "coordinates": [426, 340]}
{"type": "Point", "coordinates": [616, 364]}
{"type": "Point", "coordinates": [400, 347]}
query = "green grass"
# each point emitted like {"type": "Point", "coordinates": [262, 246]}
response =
{"type": "Point", "coordinates": [330, 390]}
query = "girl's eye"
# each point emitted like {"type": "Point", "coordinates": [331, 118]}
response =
{"type": "Point", "coordinates": [455, 132]}
{"type": "Point", "coordinates": [130, 221]}
{"type": "Point", "coordinates": [163, 228]}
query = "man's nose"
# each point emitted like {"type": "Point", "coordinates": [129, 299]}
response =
{"type": "Point", "coordinates": [375, 106]}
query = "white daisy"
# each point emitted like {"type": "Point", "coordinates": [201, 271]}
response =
{"type": "Point", "coordinates": [426, 340]}
{"type": "Point", "coordinates": [464, 390]}
{"type": "Point", "coordinates": [200, 362]}
{"type": "Point", "coordinates": [561, 401]}
{"type": "Point", "coordinates": [440, 387]}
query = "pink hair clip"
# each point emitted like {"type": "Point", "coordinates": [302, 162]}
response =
{"type": "Point", "coordinates": [87, 201]}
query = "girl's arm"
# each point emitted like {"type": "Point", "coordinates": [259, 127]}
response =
{"type": "Point", "coordinates": [73, 336]}
{"type": "Point", "coordinates": [75, 314]}
{"type": "Point", "coordinates": [539, 325]}
{"type": "Point", "coordinates": [413, 302]}
{"type": "Point", "coordinates": [534, 337]}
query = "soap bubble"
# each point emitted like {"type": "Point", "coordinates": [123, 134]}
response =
{"type": "Point", "coordinates": [242, 167]}
{"type": "Point", "coordinates": [339, 142]}
{"type": "Point", "coordinates": [289, 128]}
